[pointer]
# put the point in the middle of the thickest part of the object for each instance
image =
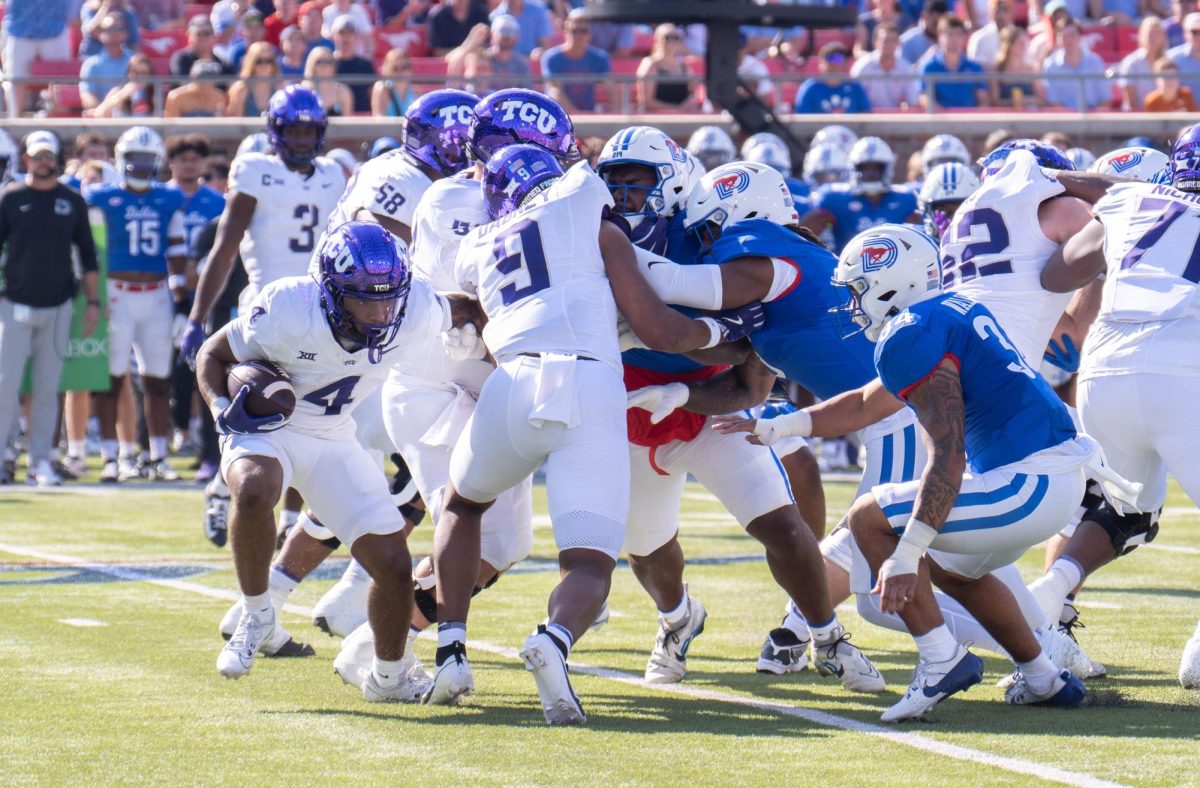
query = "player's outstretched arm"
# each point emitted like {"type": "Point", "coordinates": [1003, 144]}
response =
{"type": "Point", "coordinates": [1077, 262]}
{"type": "Point", "coordinates": [230, 229]}
{"type": "Point", "coordinates": [1087, 186]}
{"type": "Point", "coordinates": [741, 387]}
{"type": "Point", "coordinates": [727, 286]}
{"type": "Point", "coordinates": [845, 413]}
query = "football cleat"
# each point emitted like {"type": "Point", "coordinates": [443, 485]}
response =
{"type": "Point", "coordinates": [452, 680]}
{"type": "Point", "coordinates": [236, 659]}
{"type": "Point", "coordinates": [343, 608]}
{"type": "Point", "coordinates": [110, 473]}
{"type": "Point", "coordinates": [783, 652]}
{"type": "Point", "coordinates": [409, 689]}
{"type": "Point", "coordinates": [1189, 663]}
{"type": "Point", "coordinates": [1066, 692]}
{"type": "Point", "coordinates": [601, 618]}
{"type": "Point", "coordinates": [76, 467]}
{"type": "Point", "coordinates": [560, 704]}
{"type": "Point", "coordinates": [160, 471]}
{"type": "Point", "coordinates": [933, 682]}
{"type": "Point", "coordinates": [1068, 623]}
{"type": "Point", "coordinates": [668, 660]}
{"type": "Point", "coordinates": [43, 475]}
{"type": "Point", "coordinates": [127, 469]}
{"type": "Point", "coordinates": [845, 660]}
{"type": "Point", "coordinates": [216, 519]}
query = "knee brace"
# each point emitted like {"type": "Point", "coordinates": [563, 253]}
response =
{"type": "Point", "coordinates": [313, 527]}
{"type": "Point", "coordinates": [1125, 531]}
{"type": "Point", "coordinates": [424, 597]}
{"type": "Point", "coordinates": [412, 514]}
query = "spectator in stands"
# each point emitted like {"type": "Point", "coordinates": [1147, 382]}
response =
{"type": "Point", "coordinates": [105, 71]}
{"type": "Point", "coordinates": [159, 14]}
{"type": "Point", "coordinates": [401, 14]}
{"type": "Point", "coordinates": [392, 95]}
{"type": "Point", "coordinates": [1123, 13]}
{"type": "Point", "coordinates": [451, 21]}
{"type": "Point", "coordinates": [1169, 96]}
{"type": "Point", "coordinates": [537, 29]}
{"type": "Point", "coordinates": [575, 57]}
{"type": "Point", "coordinates": [664, 80]}
{"type": "Point", "coordinates": [984, 43]}
{"type": "Point", "coordinates": [949, 58]}
{"type": "Point", "coordinates": [309, 21]}
{"type": "Point", "coordinates": [752, 70]}
{"type": "Point", "coordinates": [356, 11]}
{"type": "Point", "coordinates": [320, 72]}
{"type": "Point", "coordinates": [251, 32]}
{"type": "Point", "coordinates": [883, 12]}
{"type": "Point", "coordinates": [1174, 25]}
{"type": "Point", "coordinates": [294, 52]}
{"type": "Point", "coordinates": [832, 92]}
{"type": "Point", "coordinates": [614, 38]}
{"type": "Point", "coordinates": [1015, 85]}
{"type": "Point", "coordinates": [923, 37]}
{"type": "Point", "coordinates": [199, 97]}
{"type": "Point", "coordinates": [885, 61]}
{"type": "Point", "coordinates": [1136, 68]}
{"type": "Point", "coordinates": [259, 78]}
{"type": "Point", "coordinates": [1187, 55]}
{"type": "Point", "coordinates": [200, 35]}
{"type": "Point", "coordinates": [89, 146]}
{"type": "Point", "coordinates": [1045, 40]}
{"type": "Point", "coordinates": [1073, 59]}
{"type": "Point", "coordinates": [477, 73]}
{"type": "Point", "coordinates": [1076, 9]}
{"type": "Point", "coordinates": [135, 98]}
{"type": "Point", "coordinates": [224, 21]}
{"type": "Point", "coordinates": [286, 15]}
{"type": "Point", "coordinates": [510, 67]}
{"type": "Point", "coordinates": [93, 13]}
{"type": "Point", "coordinates": [350, 63]}
{"type": "Point", "coordinates": [34, 30]}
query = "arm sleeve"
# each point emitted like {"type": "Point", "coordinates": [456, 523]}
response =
{"type": "Point", "coordinates": [85, 242]}
{"type": "Point", "coordinates": [697, 286]}
{"type": "Point", "coordinates": [908, 355]}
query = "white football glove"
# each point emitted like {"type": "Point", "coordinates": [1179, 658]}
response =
{"type": "Point", "coordinates": [769, 431]}
{"type": "Point", "coordinates": [659, 400]}
{"type": "Point", "coordinates": [625, 336]}
{"type": "Point", "coordinates": [464, 344]}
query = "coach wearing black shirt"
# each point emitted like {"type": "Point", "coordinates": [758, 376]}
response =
{"type": "Point", "coordinates": [40, 220]}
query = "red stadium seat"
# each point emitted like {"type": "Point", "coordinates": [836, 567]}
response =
{"type": "Point", "coordinates": [65, 101]}
{"type": "Point", "coordinates": [162, 43]}
{"type": "Point", "coordinates": [625, 66]}
{"type": "Point", "coordinates": [192, 9]}
{"type": "Point", "coordinates": [55, 68]}
{"type": "Point", "coordinates": [428, 67]}
{"type": "Point", "coordinates": [411, 41]}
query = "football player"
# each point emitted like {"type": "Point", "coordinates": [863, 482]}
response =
{"type": "Point", "coordinates": [770, 149]}
{"type": "Point", "coordinates": [945, 187]}
{"type": "Point", "coordinates": [943, 149]}
{"type": "Point", "coordinates": [711, 146]}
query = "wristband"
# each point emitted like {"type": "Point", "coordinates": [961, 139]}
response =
{"type": "Point", "coordinates": [218, 406]}
{"type": "Point", "coordinates": [175, 281]}
{"type": "Point", "coordinates": [794, 424]}
{"type": "Point", "coordinates": [912, 547]}
{"type": "Point", "coordinates": [717, 334]}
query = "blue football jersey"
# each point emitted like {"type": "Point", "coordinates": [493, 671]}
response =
{"type": "Point", "coordinates": [200, 208]}
{"type": "Point", "coordinates": [803, 339]}
{"type": "Point", "coordinates": [853, 213]}
{"type": "Point", "coordinates": [1010, 410]}
{"type": "Point", "coordinates": [138, 225]}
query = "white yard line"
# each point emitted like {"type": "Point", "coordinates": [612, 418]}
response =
{"type": "Point", "coordinates": [907, 739]}
{"type": "Point", "coordinates": [1173, 548]}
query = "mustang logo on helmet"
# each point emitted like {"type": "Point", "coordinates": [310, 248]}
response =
{"type": "Point", "coordinates": [879, 253]}
{"type": "Point", "coordinates": [728, 185]}
{"type": "Point", "coordinates": [1124, 161]}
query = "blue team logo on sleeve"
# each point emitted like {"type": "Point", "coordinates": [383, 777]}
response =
{"type": "Point", "coordinates": [728, 185]}
{"type": "Point", "coordinates": [879, 253]}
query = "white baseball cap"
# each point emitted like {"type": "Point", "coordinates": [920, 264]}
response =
{"type": "Point", "coordinates": [39, 141]}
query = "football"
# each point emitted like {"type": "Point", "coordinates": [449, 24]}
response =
{"type": "Point", "coordinates": [270, 390]}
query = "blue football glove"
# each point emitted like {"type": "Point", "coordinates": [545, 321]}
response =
{"type": "Point", "coordinates": [741, 322]}
{"type": "Point", "coordinates": [651, 235]}
{"type": "Point", "coordinates": [193, 338]}
{"type": "Point", "coordinates": [234, 420]}
{"type": "Point", "coordinates": [1063, 354]}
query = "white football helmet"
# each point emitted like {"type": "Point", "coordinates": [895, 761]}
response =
{"type": "Point", "coordinates": [140, 154]}
{"type": "Point", "coordinates": [649, 147]}
{"type": "Point", "coordinates": [693, 171]}
{"type": "Point", "coordinates": [258, 142]}
{"type": "Point", "coordinates": [736, 191]}
{"type": "Point", "coordinates": [837, 135]}
{"type": "Point", "coordinates": [1145, 164]}
{"type": "Point", "coordinates": [871, 151]}
{"type": "Point", "coordinates": [826, 163]}
{"type": "Point", "coordinates": [886, 269]}
{"type": "Point", "coordinates": [942, 191]}
{"type": "Point", "coordinates": [712, 146]}
{"type": "Point", "coordinates": [8, 156]}
{"type": "Point", "coordinates": [1082, 158]}
{"type": "Point", "coordinates": [942, 148]}
{"type": "Point", "coordinates": [769, 149]}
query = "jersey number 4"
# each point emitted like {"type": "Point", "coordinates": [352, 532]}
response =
{"type": "Point", "coordinates": [308, 215]}
{"type": "Point", "coordinates": [520, 250]}
{"type": "Point", "coordinates": [335, 396]}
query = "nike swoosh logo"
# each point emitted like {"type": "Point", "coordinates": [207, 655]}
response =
{"type": "Point", "coordinates": [731, 321]}
{"type": "Point", "coordinates": [653, 263]}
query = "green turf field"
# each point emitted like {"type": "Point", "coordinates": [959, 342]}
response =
{"type": "Point", "coordinates": [110, 598]}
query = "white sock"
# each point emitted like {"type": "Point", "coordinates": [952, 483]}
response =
{"type": "Point", "coordinates": [964, 627]}
{"type": "Point", "coordinates": [77, 449]}
{"type": "Point", "coordinates": [355, 573]}
{"type": "Point", "coordinates": [388, 671]}
{"type": "Point", "coordinates": [794, 620]}
{"type": "Point", "coordinates": [562, 635]}
{"type": "Point", "coordinates": [936, 645]}
{"type": "Point", "coordinates": [108, 449]}
{"type": "Point", "coordinates": [675, 616]}
{"type": "Point", "coordinates": [827, 632]}
{"type": "Point", "coordinates": [1040, 673]}
{"type": "Point", "coordinates": [259, 606]}
{"type": "Point", "coordinates": [128, 449]}
{"type": "Point", "coordinates": [413, 630]}
{"type": "Point", "coordinates": [450, 632]}
{"type": "Point", "coordinates": [288, 518]}
{"type": "Point", "coordinates": [281, 585]}
{"type": "Point", "coordinates": [158, 447]}
{"type": "Point", "coordinates": [1051, 589]}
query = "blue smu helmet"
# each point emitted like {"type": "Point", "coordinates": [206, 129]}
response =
{"type": "Point", "coordinates": [295, 105]}
{"type": "Point", "coordinates": [516, 116]}
{"type": "Point", "coordinates": [435, 129]}
{"type": "Point", "coordinates": [515, 173]}
{"type": "Point", "coordinates": [1046, 154]}
{"type": "Point", "coordinates": [360, 261]}
{"type": "Point", "coordinates": [381, 145]}
{"type": "Point", "coordinates": [1185, 160]}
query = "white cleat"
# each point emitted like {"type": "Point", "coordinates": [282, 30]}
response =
{"type": "Point", "coordinates": [935, 681]}
{"type": "Point", "coordinates": [452, 680]}
{"type": "Point", "coordinates": [668, 660]}
{"type": "Point", "coordinates": [783, 652]}
{"type": "Point", "coordinates": [236, 659]}
{"type": "Point", "coordinates": [1061, 649]}
{"type": "Point", "coordinates": [845, 660]}
{"type": "Point", "coordinates": [1066, 691]}
{"type": "Point", "coordinates": [560, 704]}
{"type": "Point", "coordinates": [414, 683]}
{"type": "Point", "coordinates": [231, 618]}
{"type": "Point", "coordinates": [601, 618]}
{"type": "Point", "coordinates": [1189, 664]}
{"type": "Point", "coordinates": [343, 608]}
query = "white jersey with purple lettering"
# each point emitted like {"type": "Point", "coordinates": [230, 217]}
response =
{"type": "Point", "coordinates": [995, 250]}
{"type": "Point", "coordinates": [539, 275]}
{"type": "Point", "coordinates": [448, 210]}
{"type": "Point", "coordinates": [289, 216]}
{"type": "Point", "coordinates": [390, 185]}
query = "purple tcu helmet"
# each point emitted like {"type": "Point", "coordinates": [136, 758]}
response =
{"type": "Point", "coordinates": [514, 173]}
{"type": "Point", "coordinates": [1046, 154]}
{"type": "Point", "coordinates": [360, 261]}
{"type": "Point", "coordinates": [435, 129]}
{"type": "Point", "coordinates": [295, 105]}
{"type": "Point", "coordinates": [517, 116]}
{"type": "Point", "coordinates": [1185, 160]}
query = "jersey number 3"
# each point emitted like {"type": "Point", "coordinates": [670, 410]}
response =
{"type": "Point", "coordinates": [520, 249]}
{"type": "Point", "coordinates": [308, 215]}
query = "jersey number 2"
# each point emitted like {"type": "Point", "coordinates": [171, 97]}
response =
{"type": "Point", "coordinates": [308, 216]}
{"type": "Point", "coordinates": [994, 241]}
{"type": "Point", "coordinates": [335, 396]}
{"type": "Point", "coordinates": [520, 248]}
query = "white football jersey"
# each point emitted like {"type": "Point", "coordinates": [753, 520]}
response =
{"type": "Point", "coordinates": [1149, 319]}
{"type": "Point", "coordinates": [418, 357]}
{"type": "Point", "coordinates": [286, 324]}
{"type": "Point", "coordinates": [390, 185]}
{"type": "Point", "coordinates": [995, 250]}
{"type": "Point", "coordinates": [450, 209]}
{"type": "Point", "coordinates": [539, 275]}
{"type": "Point", "coordinates": [290, 215]}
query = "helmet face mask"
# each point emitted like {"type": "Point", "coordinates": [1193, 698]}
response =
{"type": "Point", "coordinates": [293, 114]}
{"type": "Point", "coordinates": [140, 155]}
{"type": "Point", "coordinates": [365, 279]}
{"type": "Point", "coordinates": [646, 172]}
{"type": "Point", "coordinates": [1185, 160]}
{"type": "Point", "coordinates": [942, 192]}
{"type": "Point", "coordinates": [885, 270]}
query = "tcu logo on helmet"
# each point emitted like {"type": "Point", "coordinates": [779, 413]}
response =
{"type": "Point", "coordinates": [1124, 161]}
{"type": "Point", "coordinates": [529, 113]}
{"type": "Point", "coordinates": [452, 115]}
{"type": "Point", "coordinates": [728, 185]}
{"type": "Point", "coordinates": [878, 253]}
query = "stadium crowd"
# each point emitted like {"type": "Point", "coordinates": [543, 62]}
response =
{"type": "Point", "coordinates": [138, 58]}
